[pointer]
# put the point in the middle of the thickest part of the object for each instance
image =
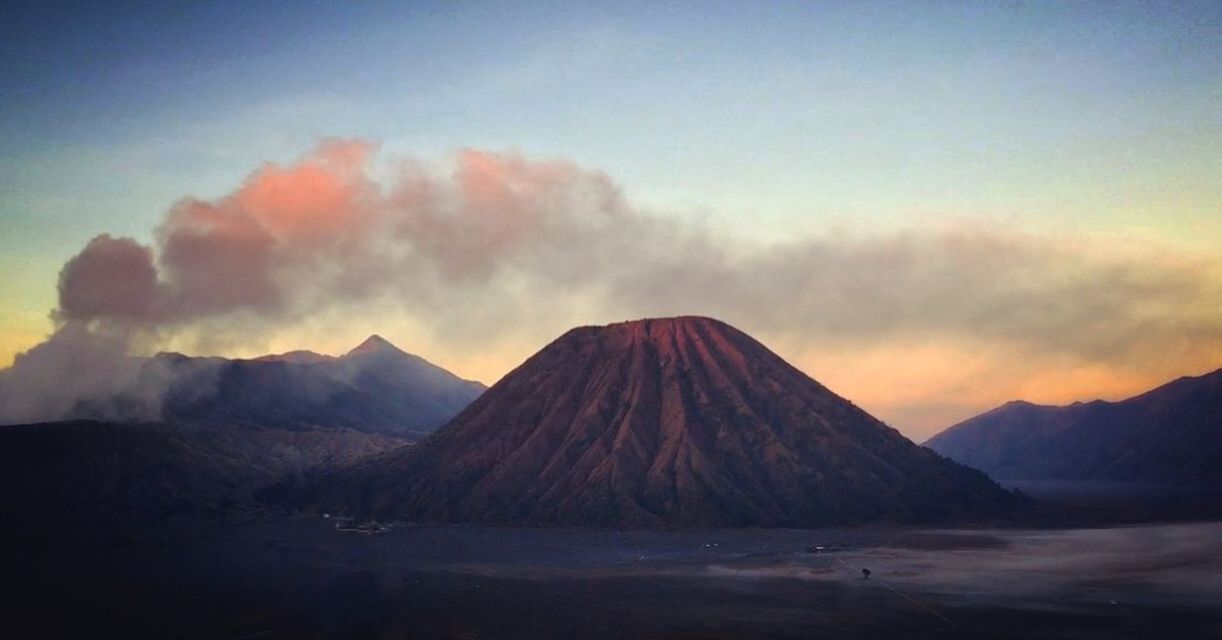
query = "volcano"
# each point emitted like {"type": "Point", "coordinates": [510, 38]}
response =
{"type": "Point", "coordinates": [375, 388]}
{"type": "Point", "coordinates": [678, 422]}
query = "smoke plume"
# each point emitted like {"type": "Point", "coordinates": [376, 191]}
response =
{"type": "Point", "coordinates": [497, 244]}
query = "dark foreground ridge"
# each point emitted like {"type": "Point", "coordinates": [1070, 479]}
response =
{"type": "Point", "coordinates": [677, 422]}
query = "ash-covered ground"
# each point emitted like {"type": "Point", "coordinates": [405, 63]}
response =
{"type": "Point", "coordinates": [269, 577]}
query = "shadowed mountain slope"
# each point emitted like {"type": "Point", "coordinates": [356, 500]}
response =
{"type": "Point", "coordinates": [1169, 435]}
{"type": "Point", "coordinates": [99, 476]}
{"type": "Point", "coordinates": [670, 422]}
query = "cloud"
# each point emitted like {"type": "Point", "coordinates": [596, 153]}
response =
{"type": "Point", "coordinates": [958, 283]}
{"type": "Point", "coordinates": [291, 238]}
{"type": "Point", "coordinates": [81, 372]}
{"type": "Point", "coordinates": [494, 246]}
{"type": "Point", "coordinates": [111, 278]}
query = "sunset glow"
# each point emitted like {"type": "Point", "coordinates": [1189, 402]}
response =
{"type": "Point", "coordinates": [1024, 206]}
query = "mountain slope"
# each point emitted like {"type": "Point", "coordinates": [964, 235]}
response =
{"type": "Point", "coordinates": [1169, 435]}
{"type": "Point", "coordinates": [670, 422]}
{"type": "Point", "coordinates": [98, 474]}
{"type": "Point", "coordinates": [375, 388]}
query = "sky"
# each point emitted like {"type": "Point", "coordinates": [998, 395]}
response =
{"type": "Point", "coordinates": [932, 208]}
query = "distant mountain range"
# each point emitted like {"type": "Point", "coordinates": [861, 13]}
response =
{"type": "Point", "coordinates": [375, 388]}
{"type": "Point", "coordinates": [1169, 435]}
{"type": "Point", "coordinates": [682, 422]}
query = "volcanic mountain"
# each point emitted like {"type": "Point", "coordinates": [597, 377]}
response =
{"type": "Point", "coordinates": [375, 388]}
{"type": "Point", "coordinates": [221, 431]}
{"type": "Point", "coordinates": [1168, 435]}
{"type": "Point", "coordinates": [671, 422]}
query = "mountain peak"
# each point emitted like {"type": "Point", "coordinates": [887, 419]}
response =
{"type": "Point", "coordinates": [668, 322]}
{"type": "Point", "coordinates": [374, 344]}
{"type": "Point", "coordinates": [658, 327]}
{"type": "Point", "coordinates": [667, 335]}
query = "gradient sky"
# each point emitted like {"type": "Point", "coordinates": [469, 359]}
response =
{"type": "Point", "coordinates": [890, 128]}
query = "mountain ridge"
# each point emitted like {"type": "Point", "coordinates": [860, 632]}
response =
{"type": "Point", "coordinates": [374, 387]}
{"type": "Point", "coordinates": [1166, 435]}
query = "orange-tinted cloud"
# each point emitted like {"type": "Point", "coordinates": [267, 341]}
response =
{"type": "Point", "coordinates": [316, 203]}
{"type": "Point", "coordinates": [323, 229]}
